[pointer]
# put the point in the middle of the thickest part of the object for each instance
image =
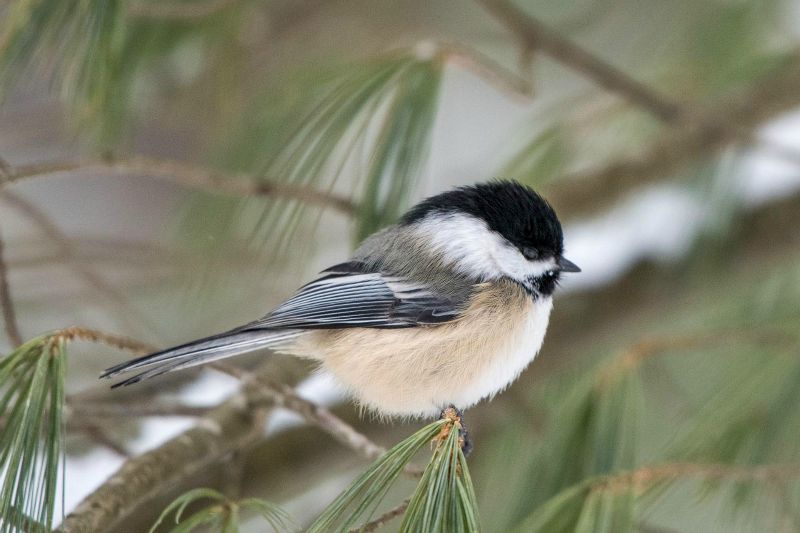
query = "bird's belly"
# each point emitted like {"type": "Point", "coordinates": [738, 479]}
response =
{"type": "Point", "coordinates": [419, 371]}
{"type": "Point", "coordinates": [502, 369]}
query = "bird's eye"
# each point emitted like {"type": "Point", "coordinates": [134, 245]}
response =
{"type": "Point", "coordinates": [530, 253]}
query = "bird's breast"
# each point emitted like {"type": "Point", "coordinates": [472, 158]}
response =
{"type": "Point", "coordinates": [418, 371]}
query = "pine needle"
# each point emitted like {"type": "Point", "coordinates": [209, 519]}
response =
{"type": "Point", "coordinates": [360, 500]}
{"type": "Point", "coordinates": [32, 388]}
{"type": "Point", "coordinates": [367, 124]}
{"type": "Point", "coordinates": [444, 499]}
{"type": "Point", "coordinates": [594, 431]}
{"type": "Point", "coordinates": [222, 515]}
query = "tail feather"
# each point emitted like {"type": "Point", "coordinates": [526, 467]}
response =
{"type": "Point", "coordinates": [198, 352]}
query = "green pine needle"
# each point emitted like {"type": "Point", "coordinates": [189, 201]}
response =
{"type": "Point", "coordinates": [222, 515]}
{"type": "Point", "coordinates": [591, 506]}
{"type": "Point", "coordinates": [402, 146]}
{"type": "Point", "coordinates": [594, 431]}
{"type": "Point", "coordinates": [368, 124]}
{"type": "Point", "coordinates": [84, 35]}
{"type": "Point", "coordinates": [444, 499]}
{"type": "Point", "coordinates": [360, 500]}
{"type": "Point", "coordinates": [31, 439]}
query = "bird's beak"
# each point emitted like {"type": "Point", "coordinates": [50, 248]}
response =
{"type": "Point", "coordinates": [565, 265]}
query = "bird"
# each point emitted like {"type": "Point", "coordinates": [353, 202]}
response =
{"type": "Point", "coordinates": [445, 308]}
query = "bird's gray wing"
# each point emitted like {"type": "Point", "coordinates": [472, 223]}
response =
{"type": "Point", "coordinates": [350, 296]}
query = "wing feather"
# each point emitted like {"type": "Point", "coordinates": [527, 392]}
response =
{"type": "Point", "coordinates": [349, 295]}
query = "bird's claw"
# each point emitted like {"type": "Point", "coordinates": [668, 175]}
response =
{"type": "Point", "coordinates": [453, 413]}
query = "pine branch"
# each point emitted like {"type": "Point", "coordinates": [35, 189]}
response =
{"type": "Point", "coordinates": [98, 434]}
{"type": "Point", "coordinates": [535, 35]}
{"type": "Point", "coordinates": [284, 396]}
{"type": "Point", "coordinates": [109, 339]}
{"type": "Point", "coordinates": [90, 410]}
{"type": "Point", "coordinates": [647, 476]}
{"type": "Point", "coordinates": [704, 136]}
{"type": "Point", "coordinates": [697, 133]}
{"type": "Point", "coordinates": [65, 248]}
{"type": "Point", "coordinates": [226, 429]}
{"type": "Point", "coordinates": [383, 519]}
{"type": "Point", "coordinates": [9, 316]}
{"type": "Point", "coordinates": [578, 503]}
{"type": "Point", "coordinates": [186, 175]}
{"type": "Point", "coordinates": [642, 350]}
{"type": "Point", "coordinates": [508, 82]}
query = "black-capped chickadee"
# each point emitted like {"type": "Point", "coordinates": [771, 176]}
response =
{"type": "Point", "coordinates": [446, 307]}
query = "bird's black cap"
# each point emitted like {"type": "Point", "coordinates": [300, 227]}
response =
{"type": "Point", "coordinates": [511, 209]}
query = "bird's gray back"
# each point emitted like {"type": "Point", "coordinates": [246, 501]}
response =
{"type": "Point", "coordinates": [404, 253]}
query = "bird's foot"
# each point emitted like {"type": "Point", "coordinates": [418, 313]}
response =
{"type": "Point", "coordinates": [454, 414]}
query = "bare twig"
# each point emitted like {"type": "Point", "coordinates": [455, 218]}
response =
{"type": "Point", "coordinates": [100, 248]}
{"type": "Point", "coordinates": [279, 394]}
{"type": "Point", "coordinates": [65, 247]}
{"type": "Point", "coordinates": [231, 426]}
{"type": "Point", "coordinates": [172, 10]}
{"type": "Point", "coordinates": [188, 176]}
{"type": "Point", "coordinates": [699, 134]}
{"type": "Point", "coordinates": [538, 36]}
{"type": "Point", "coordinates": [646, 348]}
{"type": "Point", "coordinates": [109, 339]}
{"type": "Point", "coordinates": [647, 476]}
{"type": "Point", "coordinates": [96, 409]}
{"type": "Point", "coordinates": [383, 519]}
{"type": "Point", "coordinates": [9, 316]}
{"type": "Point", "coordinates": [284, 396]}
{"type": "Point", "coordinates": [98, 434]}
{"type": "Point", "coordinates": [703, 136]}
{"type": "Point", "coordinates": [501, 78]}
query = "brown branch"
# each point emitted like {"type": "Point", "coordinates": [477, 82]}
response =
{"type": "Point", "coordinates": [98, 434]}
{"type": "Point", "coordinates": [64, 246]}
{"type": "Point", "coordinates": [383, 519]}
{"type": "Point", "coordinates": [188, 176]}
{"type": "Point", "coordinates": [87, 409]}
{"type": "Point", "coordinates": [279, 394]}
{"type": "Point", "coordinates": [230, 427]}
{"type": "Point", "coordinates": [9, 316]}
{"type": "Point", "coordinates": [495, 74]}
{"type": "Point", "coordinates": [698, 134]}
{"type": "Point", "coordinates": [647, 476]}
{"type": "Point", "coordinates": [96, 336]}
{"type": "Point", "coordinates": [284, 396]}
{"type": "Point", "coordinates": [703, 136]}
{"type": "Point", "coordinates": [635, 354]}
{"type": "Point", "coordinates": [175, 10]}
{"type": "Point", "coordinates": [538, 36]}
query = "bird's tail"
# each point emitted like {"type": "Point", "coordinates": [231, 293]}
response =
{"type": "Point", "coordinates": [197, 352]}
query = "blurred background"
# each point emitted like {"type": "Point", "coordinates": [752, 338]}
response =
{"type": "Point", "coordinates": [171, 169]}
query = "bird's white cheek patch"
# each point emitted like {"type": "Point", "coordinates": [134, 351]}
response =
{"type": "Point", "coordinates": [467, 244]}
